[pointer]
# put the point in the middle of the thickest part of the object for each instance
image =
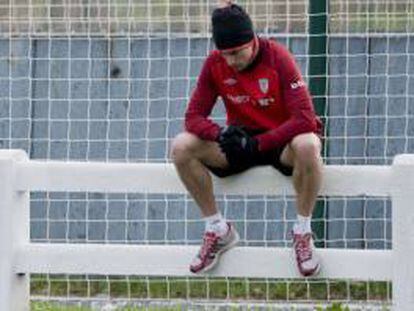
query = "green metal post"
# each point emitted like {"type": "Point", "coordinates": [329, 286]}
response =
{"type": "Point", "coordinates": [318, 28]}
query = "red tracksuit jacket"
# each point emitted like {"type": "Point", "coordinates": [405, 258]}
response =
{"type": "Point", "coordinates": [270, 96]}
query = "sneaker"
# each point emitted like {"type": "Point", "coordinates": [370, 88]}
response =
{"type": "Point", "coordinates": [307, 262]}
{"type": "Point", "coordinates": [211, 249]}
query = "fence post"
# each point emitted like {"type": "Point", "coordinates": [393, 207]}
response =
{"type": "Point", "coordinates": [403, 232]}
{"type": "Point", "coordinates": [14, 234]}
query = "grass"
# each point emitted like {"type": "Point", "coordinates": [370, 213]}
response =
{"type": "Point", "coordinates": [45, 306]}
{"type": "Point", "coordinates": [207, 288]}
{"type": "Point", "coordinates": [169, 15]}
{"type": "Point", "coordinates": [42, 306]}
{"type": "Point", "coordinates": [374, 24]}
{"type": "Point", "coordinates": [202, 289]}
{"type": "Point", "coordinates": [54, 307]}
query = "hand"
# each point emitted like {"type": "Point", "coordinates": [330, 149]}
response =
{"type": "Point", "coordinates": [238, 146]}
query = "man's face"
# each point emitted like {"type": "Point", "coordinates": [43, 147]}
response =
{"type": "Point", "coordinates": [238, 59]}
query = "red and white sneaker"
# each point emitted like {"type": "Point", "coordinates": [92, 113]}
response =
{"type": "Point", "coordinates": [307, 262]}
{"type": "Point", "coordinates": [211, 249]}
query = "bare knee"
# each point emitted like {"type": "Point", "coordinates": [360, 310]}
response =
{"type": "Point", "coordinates": [307, 149]}
{"type": "Point", "coordinates": [183, 147]}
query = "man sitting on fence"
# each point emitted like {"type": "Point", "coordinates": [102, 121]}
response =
{"type": "Point", "coordinates": [270, 121]}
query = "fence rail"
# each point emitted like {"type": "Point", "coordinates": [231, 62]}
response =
{"type": "Point", "coordinates": [20, 257]}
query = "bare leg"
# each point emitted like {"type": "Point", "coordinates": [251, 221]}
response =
{"type": "Point", "coordinates": [190, 155]}
{"type": "Point", "coordinates": [303, 153]}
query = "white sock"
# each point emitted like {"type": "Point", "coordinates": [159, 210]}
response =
{"type": "Point", "coordinates": [216, 223]}
{"type": "Point", "coordinates": [302, 225]}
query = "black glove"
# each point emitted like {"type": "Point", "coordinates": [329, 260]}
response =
{"type": "Point", "coordinates": [239, 147]}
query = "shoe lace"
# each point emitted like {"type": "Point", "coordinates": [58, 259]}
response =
{"type": "Point", "coordinates": [209, 244]}
{"type": "Point", "coordinates": [303, 247]}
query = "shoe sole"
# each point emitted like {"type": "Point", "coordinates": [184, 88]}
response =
{"type": "Point", "coordinates": [219, 253]}
{"type": "Point", "coordinates": [313, 274]}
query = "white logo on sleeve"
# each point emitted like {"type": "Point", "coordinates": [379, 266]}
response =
{"type": "Point", "coordinates": [297, 84]}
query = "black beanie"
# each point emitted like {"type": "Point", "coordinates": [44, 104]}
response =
{"type": "Point", "coordinates": [232, 27]}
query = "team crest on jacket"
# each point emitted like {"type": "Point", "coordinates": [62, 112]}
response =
{"type": "Point", "coordinates": [264, 85]}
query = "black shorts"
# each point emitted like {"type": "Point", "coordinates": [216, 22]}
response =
{"type": "Point", "coordinates": [271, 157]}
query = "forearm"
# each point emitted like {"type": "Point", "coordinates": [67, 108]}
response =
{"type": "Point", "coordinates": [282, 135]}
{"type": "Point", "coordinates": [201, 126]}
{"type": "Point", "coordinates": [197, 116]}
